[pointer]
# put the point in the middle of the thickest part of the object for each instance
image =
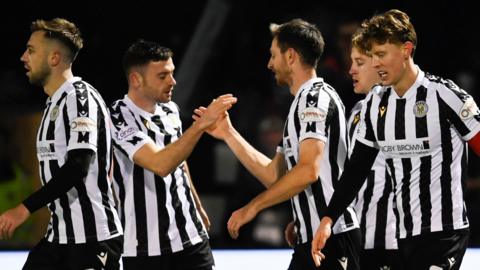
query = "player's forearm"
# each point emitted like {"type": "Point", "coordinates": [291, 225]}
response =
{"type": "Point", "coordinates": [352, 179]}
{"type": "Point", "coordinates": [167, 159]}
{"type": "Point", "coordinates": [71, 173]}
{"type": "Point", "coordinates": [291, 184]}
{"type": "Point", "coordinates": [256, 163]}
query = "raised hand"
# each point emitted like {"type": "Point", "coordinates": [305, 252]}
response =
{"type": "Point", "coordinates": [220, 129]}
{"type": "Point", "coordinates": [206, 117]}
{"type": "Point", "coordinates": [11, 219]}
{"type": "Point", "coordinates": [320, 239]}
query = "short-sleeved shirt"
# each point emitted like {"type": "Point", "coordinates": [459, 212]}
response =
{"type": "Point", "coordinates": [422, 136]}
{"type": "Point", "coordinates": [76, 117]}
{"type": "Point", "coordinates": [158, 213]}
{"type": "Point", "coordinates": [317, 113]}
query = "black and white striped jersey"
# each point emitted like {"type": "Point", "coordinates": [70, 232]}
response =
{"type": "Point", "coordinates": [422, 136]}
{"type": "Point", "coordinates": [159, 214]}
{"type": "Point", "coordinates": [374, 202]}
{"type": "Point", "coordinates": [76, 117]}
{"type": "Point", "coordinates": [317, 112]}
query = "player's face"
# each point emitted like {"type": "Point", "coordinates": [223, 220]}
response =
{"type": "Point", "coordinates": [363, 74]}
{"type": "Point", "coordinates": [278, 64]}
{"type": "Point", "coordinates": [158, 81]}
{"type": "Point", "coordinates": [389, 60]}
{"type": "Point", "coordinates": [35, 59]}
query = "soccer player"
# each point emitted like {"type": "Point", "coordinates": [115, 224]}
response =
{"type": "Point", "coordinates": [159, 208]}
{"type": "Point", "coordinates": [420, 122]}
{"type": "Point", "coordinates": [73, 149]}
{"type": "Point", "coordinates": [310, 158]}
{"type": "Point", "coordinates": [374, 202]}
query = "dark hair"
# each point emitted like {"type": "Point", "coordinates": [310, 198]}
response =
{"type": "Point", "coordinates": [303, 37]}
{"type": "Point", "coordinates": [63, 31]}
{"type": "Point", "coordinates": [142, 52]}
{"type": "Point", "coordinates": [393, 26]}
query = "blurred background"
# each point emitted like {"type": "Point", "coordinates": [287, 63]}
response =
{"type": "Point", "coordinates": [220, 46]}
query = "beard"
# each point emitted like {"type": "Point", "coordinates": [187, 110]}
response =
{"type": "Point", "coordinates": [281, 78]}
{"type": "Point", "coordinates": [40, 77]}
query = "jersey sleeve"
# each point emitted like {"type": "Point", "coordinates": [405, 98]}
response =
{"type": "Point", "coordinates": [312, 113]}
{"type": "Point", "coordinates": [462, 110]}
{"type": "Point", "coordinates": [127, 135]}
{"type": "Point", "coordinates": [80, 116]}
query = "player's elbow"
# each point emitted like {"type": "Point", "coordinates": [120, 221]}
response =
{"type": "Point", "coordinates": [311, 172]}
{"type": "Point", "coordinates": [161, 171]}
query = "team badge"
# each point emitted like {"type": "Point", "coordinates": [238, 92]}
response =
{"type": "Point", "coordinates": [420, 109]}
{"type": "Point", "coordinates": [54, 113]}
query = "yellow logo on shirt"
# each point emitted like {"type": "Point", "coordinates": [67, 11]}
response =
{"type": "Point", "coordinates": [382, 110]}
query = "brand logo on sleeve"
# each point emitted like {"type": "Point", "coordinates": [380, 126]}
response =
{"type": "Point", "coordinates": [469, 109]}
{"type": "Point", "coordinates": [312, 115]}
{"type": "Point", "coordinates": [83, 124]}
{"type": "Point", "coordinates": [126, 133]}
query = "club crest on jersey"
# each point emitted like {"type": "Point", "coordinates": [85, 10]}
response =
{"type": "Point", "coordinates": [312, 115]}
{"type": "Point", "coordinates": [469, 109]}
{"type": "Point", "coordinates": [54, 114]}
{"type": "Point", "coordinates": [420, 109]}
{"type": "Point", "coordinates": [83, 124]}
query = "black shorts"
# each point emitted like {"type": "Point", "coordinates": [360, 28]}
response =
{"type": "Point", "coordinates": [104, 255]}
{"type": "Point", "coordinates": [380, 259]}
{"type": "Point", "coordinates": [196, 257]}
{"type": "Point", "coordinates": [444, 250]}
{"type": "Point", "coordinates": [341, 253]}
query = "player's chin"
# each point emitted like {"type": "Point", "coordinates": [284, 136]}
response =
{"type": "Point", "coordinates": [164, 98]}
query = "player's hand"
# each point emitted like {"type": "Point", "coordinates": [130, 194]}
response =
{"type": "Point", "coordinates": [320, 239]}
{"type": "Point", "coordinates": [290, 234]}
{"type": "Point", "coordinates": [220, 129]}
{"type": "Point", "coordinates": [206, 117]}
{"type": "Point", "coordinates": [11, 219]}
{"type": "Point", "coordinates": [239, 218]}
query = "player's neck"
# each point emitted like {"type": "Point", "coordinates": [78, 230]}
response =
{"type": "Point", "coordinates": [300, 77]}
{"type": "Point", "coordinates": [407, 79]}
{"type": "Point", "coordinates": [57, 78]}
{"type": "Point", "coordinates": [143, 103]}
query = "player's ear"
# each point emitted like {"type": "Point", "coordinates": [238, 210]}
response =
{"type": "Point", "coordinates": [135, 79]}
{"type": "Point", "coordinates": [407, 49]}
